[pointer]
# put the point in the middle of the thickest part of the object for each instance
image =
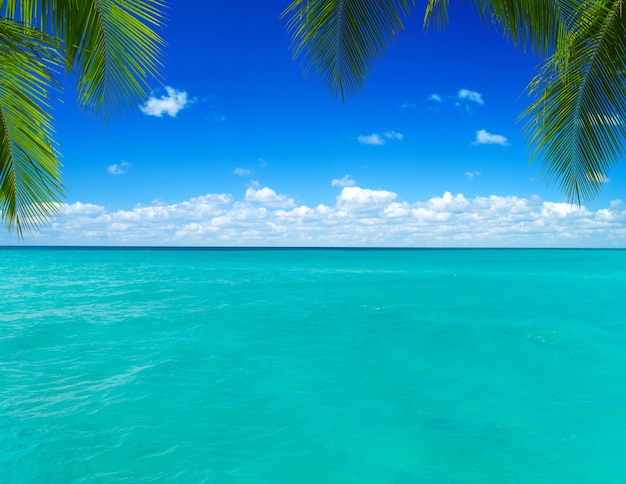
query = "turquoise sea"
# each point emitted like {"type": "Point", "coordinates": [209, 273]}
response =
{"type": "Point", "coordinates": [312, 365]}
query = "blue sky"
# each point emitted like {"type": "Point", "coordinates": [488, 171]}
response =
{"type": "Point", "coordinates": [237, 147]}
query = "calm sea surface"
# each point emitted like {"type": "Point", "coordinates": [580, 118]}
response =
{"type": "Point", "coordinates": [245, 366]}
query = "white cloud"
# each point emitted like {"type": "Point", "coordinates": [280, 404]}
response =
{"type": "Point", "coordinates": [472, 174]}
{"type": "Point", "coordinates": [267, 196]}
{"type": "Point", "coordinates": [407, 105]}
{"type": "Point", "coordinates": [468, 95]}
{"type": "Point", "coordinates": [78, 208]}
{"type": "Point", "coordinates": [170, 103]}
{"type": "Point", "coordinates": [346, 181]}
{"type": "Point", "coordinates": [485, 138]}
{"type": "Point", "coordinates": [463, 99]}
{"type": "Point", "coordinates": [118, 169]}
{"type": "Point", "coordinates": [242, 171]}
{"type": "Point", "coordinates": [371, 139]}
{"type": "Point", "coordinates": [356, 197]}
{"type": "Point", "coordinates": [359, 217]}
{"type": "Point", "coordinates": [379, 139]}
{"type": "Point", "coordinates": [394, 135]}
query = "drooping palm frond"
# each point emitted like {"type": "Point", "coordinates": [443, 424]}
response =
{"type": "Point", "coordinates": [110, 46]}
{"type": "Point", "coordinates": [577, 124]}
{"type": "Point", "coordinates": [112, 49]}
{"type": "Point", "coordinates": [29, 168]}
{"type": "Point", "coordinates": [340, 39]}
{"type": "Point", "coordinates": [537, 24]}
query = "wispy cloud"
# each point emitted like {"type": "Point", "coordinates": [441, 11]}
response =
{"type": "Point", "coordinates": [464, 98]}
{"type": "Point", "coordinates": [407, 105]}
{"type": "Point", "coordinates": [468, 95]}
{"type": "Point", "coordinates": [358, 217]}
{"type": "Point", "coordinates": [485, 138]}
{"type": "Point", "coordinates": [472, 174]}
{"type": "Point", "coordinates": [242, 171]}
{"type": "Point", "coordinates": [394, 135]}
{"type": "Point", "coordinates": [346, 181]}
{"type": "Point", "coordinates": [170, 103]}
{"type": "Point", "coordinates": [118, 169]}
{"type": "Point", "coordinates": [379, 139]}
{"type": "Point", "coordinates": [371, 139]}
{"type": "Point", "coordinates": [218, 118]}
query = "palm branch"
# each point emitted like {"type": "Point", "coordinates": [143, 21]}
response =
{"type": "Point", "coordinates": [576, 124]}
{"type": "Point", "coordinates": [110, 48]}
{"type": "Point", "coordinates": [29, 168]}
{"type": "Point", "coordinates": [340, 39]}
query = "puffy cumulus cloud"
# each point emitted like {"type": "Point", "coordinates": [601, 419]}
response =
{"type": "Point", "coordinates": [118, 169]}
{"type": "Point", "coordinates": [359, 217]}
{"type": "Point", "coordinates": [448, 203]}
{"type": "Point", "coordinates": [466, 94]}
{"type": "Point", "coordinates": [485, 138]}
{"type": "Point", "coordinates": [346, 181]}
{"type": "Point", "coordinates": [170, 103]}
{"type": "Point", "coordinates": [267, 196]}
{"type": "Point", "coordinates": [379, 139]}
{"type": "Point", "coordinates": [356, 197]}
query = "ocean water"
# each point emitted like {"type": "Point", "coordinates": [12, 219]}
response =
{"type": "Point", "coordinates": [365, 366]}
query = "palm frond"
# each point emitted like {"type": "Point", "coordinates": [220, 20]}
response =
{"type": "Point", "coordinates": [535, 24]}
{"type": "Point", "coordinates": [577, 124]}
{"type": "Point", "coordinates": [110, 46]}
{"type": "Point", "coordinates": [341, 39]}
{"type": "Point", "coordinates": [112, 49]}
{"type": "Point", "coordinates": [30, 184]}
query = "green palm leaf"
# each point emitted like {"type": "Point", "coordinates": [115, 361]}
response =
{"type": "Point", "coordinates": [577, 124]}
{"type": "Point", "coordinates": [538, 24]}
{"type": "Point", "coordinates": [340, 39]}
{"type": "Point", "coordinates": [29, 168]}
{"type": "Point", "coordinates": [109, 46]}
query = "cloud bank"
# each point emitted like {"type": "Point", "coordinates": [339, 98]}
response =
{"type": "Point", "coordinates": [358, 217]}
